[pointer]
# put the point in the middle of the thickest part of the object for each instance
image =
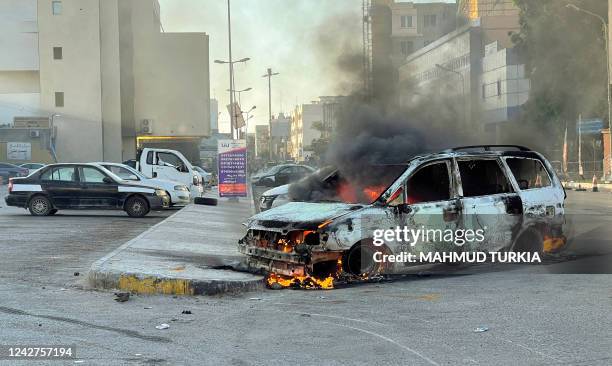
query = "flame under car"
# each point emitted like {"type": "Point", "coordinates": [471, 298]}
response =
{"type": "Point", "coordinates": [510, 195]}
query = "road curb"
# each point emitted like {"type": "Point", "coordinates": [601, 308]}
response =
{"type": "Point", "coordinates": [150, 284]}
{"type": "Point", "coordinates": [143, 275]}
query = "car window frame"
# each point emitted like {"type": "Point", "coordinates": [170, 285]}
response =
{"type": "Point", "coordinates": [82, 176]}
{"type": "Point", "coordinates": [500, 163]}
{"type": "Point", "coordinates": [76, 178]}
{"type": "Point", "coordinates": [138, 178]}
{"type": "Point", "coordinates": [515, 182]}
{"type": "Point", "coordinates": [453, 194]}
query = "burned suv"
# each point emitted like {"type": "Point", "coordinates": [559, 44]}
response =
{"type": "Point", "coordinates": [507, 198]}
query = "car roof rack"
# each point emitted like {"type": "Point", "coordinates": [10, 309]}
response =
{"type": "Point", "coordinates": [490, 147]}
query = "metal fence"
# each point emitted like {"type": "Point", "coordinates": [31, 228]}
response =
{"type": "Point", "coordinates": [589, 168]}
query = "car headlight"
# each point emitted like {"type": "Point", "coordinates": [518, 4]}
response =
{"type": "Point", "coordinates": [160, 192]}
{"type": "Point", "coordinates": [181, 188]}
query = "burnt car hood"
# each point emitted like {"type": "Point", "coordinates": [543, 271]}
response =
{"type": "Point", "coordinates": [300, 215]}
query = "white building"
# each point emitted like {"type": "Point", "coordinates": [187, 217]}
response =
{"type": "Point", "coordinates": [303, 118]}
{"type": "Point", "coordinates": [504, 87]}
{"type": "Point", "coordinates": [106, 70]}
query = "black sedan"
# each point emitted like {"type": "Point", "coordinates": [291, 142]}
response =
{"type": "Point", "coordinates": [8, 170]}
{"type": "Point", "coordinates": [82, 186]}
{"type": "Point", "coordinates": [281, 174]}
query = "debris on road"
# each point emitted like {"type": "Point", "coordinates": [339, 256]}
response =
{"type": "Point", "coordinates": [162, 326]}
{"type": "Point", "coordinates": [122, 296]}
{"type": "Point", "coordinates": [76, 274]}
{"type": "Point", "coordinates": [186, 312]}
{"type": "Point", "coordinates": [148, 307]}
{"type": "Point", "coordinates": [481, 330]}
{"type": "Point", "coordinates": [255, 298]}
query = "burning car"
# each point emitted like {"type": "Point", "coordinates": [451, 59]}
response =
{"type": "Point", "coordinates": [509, 196]}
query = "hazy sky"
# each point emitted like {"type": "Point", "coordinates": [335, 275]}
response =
{"type": "Point", "coordinates": [282, 34]}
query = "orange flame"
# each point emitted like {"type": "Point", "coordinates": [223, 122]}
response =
{"type": "Point", "coordinates": [552, 244]}
{"type": "Point", "coordinates": [305, 282]}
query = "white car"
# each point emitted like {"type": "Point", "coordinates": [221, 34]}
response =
{"type": "Point", "coordinates": [274, 197]}
{"type": "Point", "coordinates": [179, 193]}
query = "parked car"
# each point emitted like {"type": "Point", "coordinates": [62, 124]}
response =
{"type": "Point", "coordinates": [170, 165]}
{"type": "Point", "coordinates": [206, 176]}
{"type": "Point", "coordinates": [8, 170]}
{"type": "Point", "coordinates": [179, 193]}
{"type": "Point", "coordinates": [281, 174]}
{"type": "Point", "coordinates": [32, 166]}
{"type": "Point", "coordinates": [510, 194]}
{"type": "Point", "coordinates": [82, 186]}
{"type": "Point", "coordinates": [279, 196]}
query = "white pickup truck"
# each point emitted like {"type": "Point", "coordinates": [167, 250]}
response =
{"type": "Point", "coordinates": [169, 165]}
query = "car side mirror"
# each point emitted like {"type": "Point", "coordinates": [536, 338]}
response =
{"type": "Point", "coordinates": [107, 180]}
{"type": "Point", "coordinates": [523, 184]}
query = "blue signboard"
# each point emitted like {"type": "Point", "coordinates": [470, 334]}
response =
{"type": "Point", "coordinates": [590, 126]}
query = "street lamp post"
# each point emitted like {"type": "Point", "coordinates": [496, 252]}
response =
{"type": "Point", "coordinates": [240, 92]}
{"type": "Point", "coordinates": [462, 89]}
{"type": "Point", "coordinates": [231, 89]}
{"type": "Point", "coordinates": [269, 75]}
{"type": "Point", "coordinates": [607, 45]}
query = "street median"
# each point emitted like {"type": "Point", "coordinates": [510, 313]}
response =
{"type": "Point", "coordinates": [192, 252]}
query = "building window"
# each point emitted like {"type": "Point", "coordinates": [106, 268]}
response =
{"type": "Point", "coordinates": [430, 20]}
{"type": "Point", "coordinates": [56, 7]}
{"type": "Point", "coordinates": [57, 53]}
{"type": "Point", "coordinates": [406, 21]}
{"type": "Point", "coordinates": [59, 99]}
{"type": "Point", "coordinates": [406, 47]}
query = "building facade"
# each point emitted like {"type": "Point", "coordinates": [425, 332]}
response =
{"type": "Point", "coordinates": [109, 76]}
{"type": "Point", "coordinates": [281, 131]}
{"type": "Point", "coordinates": [303, 120]}
{"type": "Point", "coordinates": [415, 25]}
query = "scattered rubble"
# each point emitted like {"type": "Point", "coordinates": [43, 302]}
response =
{"type": "Point", "coordinates": [162, 326]}
{"type": "Point", "coordinates": [122, 296]}
{"type": "Point", "coordinates": [481, 330]}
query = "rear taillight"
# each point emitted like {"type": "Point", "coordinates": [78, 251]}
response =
{"type": "Point", "coordinates": [10, 185]}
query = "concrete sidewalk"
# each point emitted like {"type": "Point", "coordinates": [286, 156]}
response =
{"type": "Point", "coordinates": [189, 253]}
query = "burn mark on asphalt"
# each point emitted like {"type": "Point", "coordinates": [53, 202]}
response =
{"type": "Point", "coordinates": [125, 332]}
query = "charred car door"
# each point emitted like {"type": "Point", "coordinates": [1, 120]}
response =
{"type": "Point", "coordinates": [431, 207]}
{"type": "Point", "coordinates": [489, 203]}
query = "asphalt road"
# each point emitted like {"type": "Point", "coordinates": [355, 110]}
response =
{"type": "Point", "coordinates": [534, 316]}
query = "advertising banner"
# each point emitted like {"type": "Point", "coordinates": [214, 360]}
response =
{"type": "Point", "coordinates": [232, 160]}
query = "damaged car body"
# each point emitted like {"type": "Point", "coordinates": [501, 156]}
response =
{"type": "Point", "coordinates": [509, 194]}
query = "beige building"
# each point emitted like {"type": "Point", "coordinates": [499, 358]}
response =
{"type": "Point", "coordinates": [303, 134]}
{"type": "Point", "coordinates": [415, 25]}
{"type": "Point", "coordinates": [108, 74]}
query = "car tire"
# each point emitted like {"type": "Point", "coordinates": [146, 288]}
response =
{"type": "Point", "coordinates": [529, 241]}
{"type": "Point", "coordinates": [358, 260]}
{"type": "Point", "coordinates": [40, 206]}
{"type": "Point", "coordinates": [137, 206]}
{"type": "Point", "coordinates": [205, 201]}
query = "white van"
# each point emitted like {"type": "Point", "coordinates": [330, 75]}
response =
{"type": "Point", "coordinates": [170, 165]}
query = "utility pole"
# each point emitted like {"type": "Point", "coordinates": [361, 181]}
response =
{"type": "Point", "coordinates": [269, 76]}
{"type": "Point", "coordinates": [231, 69]}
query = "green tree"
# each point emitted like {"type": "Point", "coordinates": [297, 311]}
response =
{"type": "Point", "coordinates": [563, 51]}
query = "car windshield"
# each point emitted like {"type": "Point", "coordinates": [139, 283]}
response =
{"type": "Point", "coordinates": [335, 185]}
{"type": "Point", "coordinates": [120, 172]}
